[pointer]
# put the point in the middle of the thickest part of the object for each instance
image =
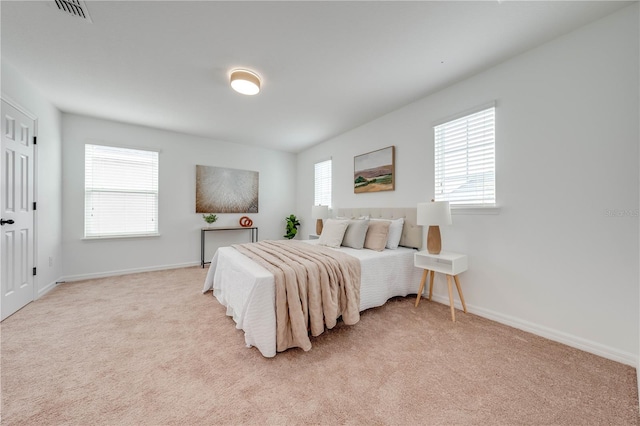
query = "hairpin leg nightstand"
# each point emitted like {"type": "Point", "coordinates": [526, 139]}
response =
{"type": "Point", "coordinates": [450, 264]}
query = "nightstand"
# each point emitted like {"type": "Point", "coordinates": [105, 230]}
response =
{"type": "Point", "coordinates": [450, 264]}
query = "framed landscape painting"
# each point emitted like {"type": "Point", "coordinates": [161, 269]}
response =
{"type": "Point", "coordinates": [374, 171]}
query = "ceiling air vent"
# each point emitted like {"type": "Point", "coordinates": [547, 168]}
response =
{"type": "Point", "coordinates": [74, 7]}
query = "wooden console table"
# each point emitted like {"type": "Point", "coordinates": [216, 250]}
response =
{"type": "Point", "coordinates": [253, 229]}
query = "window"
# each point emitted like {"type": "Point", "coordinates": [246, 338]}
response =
{"type": "Point", "coordinates": [465, 159]}
{"type": "Point", "coordinates": [120, 192]}
{"type": "Point", "coordinates": [323, 184]}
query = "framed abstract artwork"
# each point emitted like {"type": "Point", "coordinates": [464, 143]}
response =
{"type": "Point", "coordinates": [222, 190]}
{"type": "Point", "coordinates": [374, 171]}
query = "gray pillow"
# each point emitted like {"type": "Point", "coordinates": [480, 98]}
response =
{"type": "Point", "coordinates": [356, 233]}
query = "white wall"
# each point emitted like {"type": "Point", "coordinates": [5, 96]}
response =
{"type": "Point", "coordinates": [179, 243]}
{"type": "Point", "coordinates": [48, 176]}
{"type": "Point", "coordinates": [638, 364]}
{"type": "Point", "coordinates": [553, 261]}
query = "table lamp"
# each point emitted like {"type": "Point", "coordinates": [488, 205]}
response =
{"type": "Point", "coordinates": [433, 215]}
{"type": "Point", "coordinates": [319, 213]}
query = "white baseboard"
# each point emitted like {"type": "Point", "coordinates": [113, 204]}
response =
{"type": "Point", "coordinates": [46, 289]}
{"type": "Point", "coordinates": [105, 274]}
{"type": "Point", "coordinates": [549, 333]}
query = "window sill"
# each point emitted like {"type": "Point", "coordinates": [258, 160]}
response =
{"type": "Point", "coordinates": [469, 210]}
{"type": "Point", "coordinates": [119, 237]}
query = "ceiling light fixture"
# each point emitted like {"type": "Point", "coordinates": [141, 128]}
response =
{"type": "Point", "coordinates": [245, 82]}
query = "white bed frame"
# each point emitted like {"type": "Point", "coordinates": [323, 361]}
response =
{"type": "Point", "coordinates": [247, 290]}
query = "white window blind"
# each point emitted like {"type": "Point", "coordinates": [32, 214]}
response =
{"type": "Point", "coordinates": [323, 184]}
{"type": "Point", "coordinates": [121, 192]}
{"type": "Point", "coordinates": [465, 160]}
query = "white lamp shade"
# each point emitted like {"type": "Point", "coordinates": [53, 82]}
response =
{"type": "Point", "coordinates": [320, 212]}
{"type": "Point", "coordinates": [435, 213]}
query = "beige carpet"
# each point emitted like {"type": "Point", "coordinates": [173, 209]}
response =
{"type": "Point", "coordinates": [150, 349]}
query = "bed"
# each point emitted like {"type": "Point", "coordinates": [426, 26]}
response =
{"type": "Point", "coordinates": [248, 290]}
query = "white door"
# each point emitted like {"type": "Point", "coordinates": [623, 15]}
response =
{"type": "Point", "coordinates": [16, 210]}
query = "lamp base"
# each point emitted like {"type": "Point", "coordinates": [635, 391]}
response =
{"type": "Point", "coordinates": [319, 226]}
{"type": "Point", "coordinates": [434, 243]}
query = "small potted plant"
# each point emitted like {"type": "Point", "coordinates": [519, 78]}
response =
{"type": "Point", "coordinates": [292, 226]}
{"type": "Point", "coordinates": [209, 218]}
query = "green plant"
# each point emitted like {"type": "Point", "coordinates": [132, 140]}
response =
{"type": "Point", "coordinates": [292, 226]}
{"type": "Point", "coordinates": [209, 218]}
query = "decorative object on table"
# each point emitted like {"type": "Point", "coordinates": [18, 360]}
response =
{"type": "Point", "coordinates": [319, 213]}
{"type": "Point", "coordinates": [434, 215]}
{"type": "Point", "coordinates": [374, 171]}
{"type": "Point", "coordinates": [223, 190]}
{"type": "Point", "coordinates": [292, 226]}
{"type": "Point", "coordinates": [245, 222]}
{"type": "Point", "coordinates": [210, 218]}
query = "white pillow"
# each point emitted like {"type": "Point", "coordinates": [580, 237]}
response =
{"type": "Point", "coordinates": [356, 233]}
{"type": "Point", "coordinates": [395, 232]}
{"type": "Point", "coordinates": [333, 232]}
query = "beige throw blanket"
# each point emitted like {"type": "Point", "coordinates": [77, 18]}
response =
{"type": "Point", "coordinates": [314, 286]}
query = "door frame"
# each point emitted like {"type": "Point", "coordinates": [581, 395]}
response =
{"type": "Point", "coordinates": [31, 116]}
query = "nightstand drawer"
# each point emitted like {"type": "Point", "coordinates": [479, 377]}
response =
{"type": "Point", "coordinates": [446, 263]}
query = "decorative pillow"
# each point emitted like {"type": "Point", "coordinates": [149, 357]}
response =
{"type": "Point", "coordinates": [377, 234]}
{"type": "Point", "coordinates": [333, 232]}
{"type": "Point", "coordinates": [395, 232]}
{"type": "Point", "coordinates": [355, 234]}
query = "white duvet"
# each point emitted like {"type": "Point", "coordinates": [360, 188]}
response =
{"type": "Point", "coordinates": [248, 291]}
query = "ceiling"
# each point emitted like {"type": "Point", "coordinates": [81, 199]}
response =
{"type": "Point", "coordinates": [326, 67]}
